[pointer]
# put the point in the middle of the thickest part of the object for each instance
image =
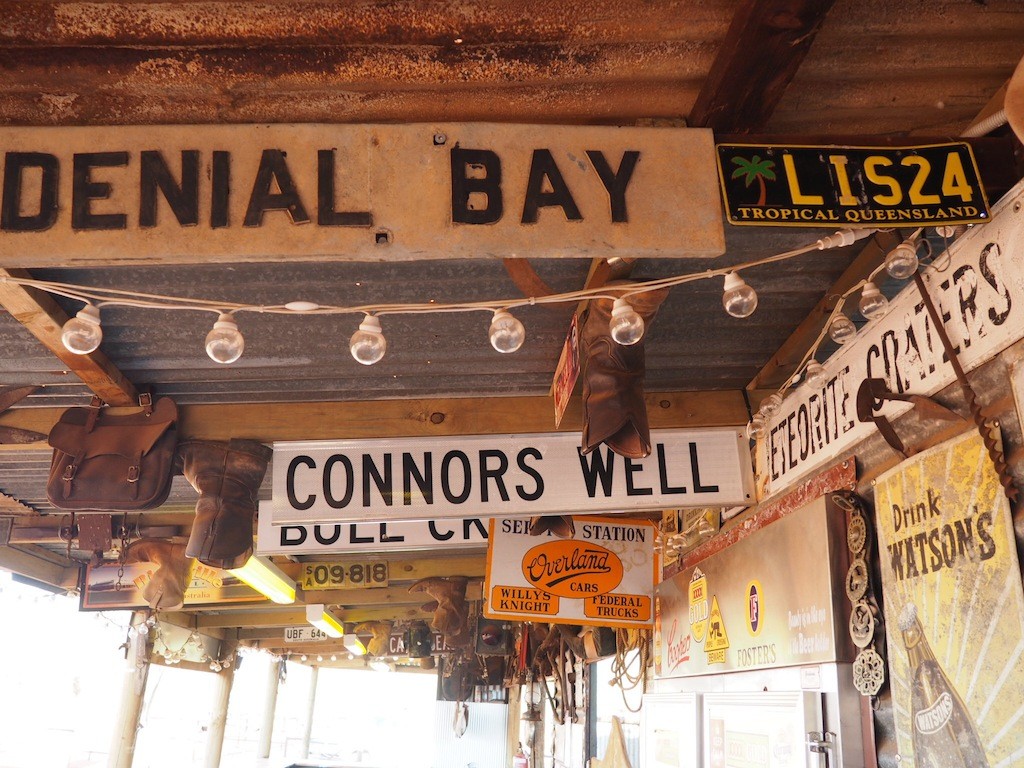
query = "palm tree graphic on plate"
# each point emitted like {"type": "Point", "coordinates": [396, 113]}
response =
{"type": "Point", "coordinates": [755, 168]}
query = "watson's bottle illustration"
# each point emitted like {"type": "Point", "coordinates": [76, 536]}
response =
{"type": "Point", "coordinates": [944, 735]}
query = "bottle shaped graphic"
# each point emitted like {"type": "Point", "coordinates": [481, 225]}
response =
{"type": "Point", "coordinates": [944, 735]}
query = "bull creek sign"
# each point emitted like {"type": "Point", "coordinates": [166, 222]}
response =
{"type": "Point", "coordinates": [358, 192]}
{"type": "Point", "coordinates": [433, 478]}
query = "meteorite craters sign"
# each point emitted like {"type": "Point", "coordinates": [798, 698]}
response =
{"type": "Point", "coordinates": [603, 575]}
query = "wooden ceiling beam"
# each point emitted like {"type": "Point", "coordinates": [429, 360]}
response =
{"type": "Point", "coordinates": [39, 564]}
{"type": "Point", "coordinates": [44, 319]}
{"type": "Point", "coordinates": [429, 417]}
{"type": "Point", "coordinates": [296, 617]}
{"type": "Point", "coordinates": [762, 50]}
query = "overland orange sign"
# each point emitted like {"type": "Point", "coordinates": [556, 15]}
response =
{"type": "Point", "coordinates": [569, 568]}
{"type": "Point", "coordinates": [604, 575]}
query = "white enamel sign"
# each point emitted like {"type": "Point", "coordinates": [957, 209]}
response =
{"type": "Point", "coordinates": [225, 193]}
{"type": "Point", "coordinates": [980, 295]}
{"type": "Point", "coordinates": [429, 478]}
{"type": "Point", "coordinates": [347, 538]}
{"type": "Point", "coordinates": [604, 575]}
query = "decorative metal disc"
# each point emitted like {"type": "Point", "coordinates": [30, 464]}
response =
{"type": "Point", "coordinates": [862, 624]}
{"type": "Point", "coordinates": [857, 532]}
{"type": "Point", "coordinates": [857, 580]}
{"type": "Point", "coordinates": [868, 672]}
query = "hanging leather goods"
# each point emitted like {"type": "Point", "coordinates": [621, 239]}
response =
{"type": "Point", "coordinates": [872, 396]}
{"type": "Point", "coordinates": [987, 429]}
{"type": "Point", "coordinates": [105, 461]}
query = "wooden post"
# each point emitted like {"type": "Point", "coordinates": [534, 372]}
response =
{"type": "Point", "coordinates": [269, 708]}
{"type": "Point", "coordinates": [219, 717]}
{"type": "Point", "coordinates": [133, 691]}
{"type": "Point", "coordinates": [309, 713]}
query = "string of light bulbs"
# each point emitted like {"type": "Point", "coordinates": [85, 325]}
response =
{"type": "Point", "coordinates": [83, 333]}
{"type": "Point", "coordinates": [900, 264]}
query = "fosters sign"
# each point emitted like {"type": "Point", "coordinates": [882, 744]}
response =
{"type": "Point", "coordinates": [739, 610]}
{"type": "Point", "coordinates": [366, 192]}
{"type": "Point", "coordinates": [502, 475]}
{"type": "Point", "coordinates": [604, 575]}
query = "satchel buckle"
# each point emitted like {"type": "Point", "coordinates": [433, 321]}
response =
{"type": "Point", "coordinates": [133, 473]}
{"type": "Point", "coordinates": [69, 472]}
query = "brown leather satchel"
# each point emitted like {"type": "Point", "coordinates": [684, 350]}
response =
{"type": "Point", "coordinates": [103, 461]}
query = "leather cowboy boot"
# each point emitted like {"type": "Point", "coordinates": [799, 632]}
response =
{"type": "Point", "coordinates": [228, 477]}
{"type": "Point", "coordinates": [614, 412]}
{"type": "Point", "coordinates": [380, 642]}
{"type": "Point", "coordinates": [451, 613]}
{"type": "Point", "coordinates": [165, 590]}
{"type": "Point", "coordinates": [560, 525]}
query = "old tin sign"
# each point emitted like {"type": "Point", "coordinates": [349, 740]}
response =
{"type": "Point", "coordinates": [739, 610]}
{"type": "Point", "coordinates": [434, 478]}
{"type": "Point", "coordinates": [799, 186]}
{"type": "Point", "coordinates": [81, 195]}
{"type": "Point", "coordinates": [954, 607]}
{"type": "Point", "coordinates": [979, 292]}
{"type": "Point", "coordinates": [351, 538]}
{"type": "Point", "coordinates": [604, 575]}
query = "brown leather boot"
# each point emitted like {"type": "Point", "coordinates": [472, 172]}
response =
{"type": "Point", "coordinates": [614, 412]}
{"type": "Point", "coordinates": [451, 613]}
{"type": "Point", "coordinates": [228, 477]}
{"type": "Point", "coordinates": [165, 590]}
{"type": "Point", "coordinates": [560, 525]}
{"type": "Point", "coordinates": [380, 642]}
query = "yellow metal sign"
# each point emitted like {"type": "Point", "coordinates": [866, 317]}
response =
{"type": "Point", "coordinates": [347, 575]}
{"type": "Point", "coordinates": [220, 193]}
{"type": "Point", "coordinates": [954, 607]}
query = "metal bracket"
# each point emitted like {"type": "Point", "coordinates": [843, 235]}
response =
{"type": "Point", "coordinates": [821, 742]}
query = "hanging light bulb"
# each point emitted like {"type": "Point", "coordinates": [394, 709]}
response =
{"type": "Point", "coordinates": [757, 428]}
{"type": "Point", "coordinates": [368, 344]}
{"type": "Point", "coordinates": [901, 261]}
{"type": "Point", "coordinates": [770, 405]}
{"type": "Point", "coordinates": [739, 299]}
{"type": "Point", "coordinates": [842, 329]}
{"type": "Point", "coordinates": [506, 332]}
{"type": "Point", "coordinates": [82, 333]}
{"type": "Point", "coordinates": [815, 375]}
{"type": "Point", "coordinates": [626, 326]}
{"type": "Point", "coordinates": [224, 344]}
{"type": "Point", "coordinates": [872, 303]}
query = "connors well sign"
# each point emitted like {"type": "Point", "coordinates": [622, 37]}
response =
{"type": "Point", "coordinates": [429, 478]}
{"type": "Point", "coordinates": [604, 575]}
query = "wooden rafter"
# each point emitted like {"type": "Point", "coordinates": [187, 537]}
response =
{"type": "Point", "coordinates": [410, 418]}
{"type": "Point", "coordinates": [784, 362]}
{"type": "Point", "coordinates": [765, 45]}
{"type": "Point", "coordinates": [44, 318]}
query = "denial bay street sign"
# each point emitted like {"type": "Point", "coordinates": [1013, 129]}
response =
{"type": "Point", "coordinates": [429, 478]}
{"type": "Point", "coordinates": [223, 193]}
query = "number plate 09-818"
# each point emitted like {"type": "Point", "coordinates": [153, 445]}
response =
{"type": "Point", "coordinates": [344, 575]}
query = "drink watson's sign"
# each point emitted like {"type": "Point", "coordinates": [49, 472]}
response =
{"type": "Point", "coordinates": [980, 295]}
{"type": "Point", "coordinates": [347, 538]}
{"type": "Point", "coordinates": [954, 608]}
{"type": "Point", "coordinates": [604, 575]}
{"type": "Point", "coordinates": [429, 478]}
{"type": "Point", "coordinates": [355, 192]}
